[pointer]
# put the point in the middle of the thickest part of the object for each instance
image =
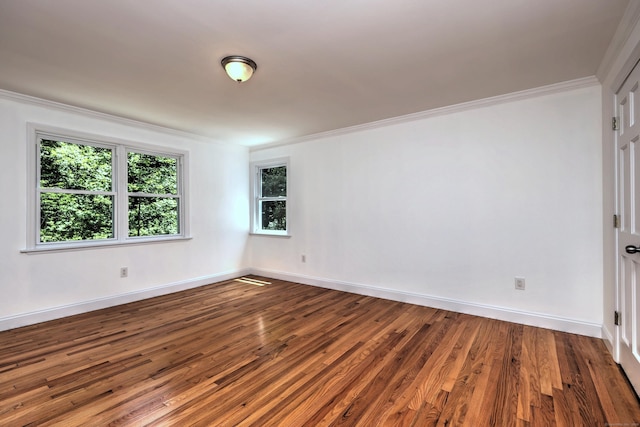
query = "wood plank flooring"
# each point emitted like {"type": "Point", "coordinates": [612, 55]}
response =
{"type": "Point", "coordinates": [263, 352]}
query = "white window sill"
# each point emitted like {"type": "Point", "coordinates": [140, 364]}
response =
{"type": "Point", "coordinates": [63, 247]}
{"type": "Point", "coordinates": [268, 234]}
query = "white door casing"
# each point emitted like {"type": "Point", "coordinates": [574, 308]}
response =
{"type": "Point", "coordinates": [628, 185]}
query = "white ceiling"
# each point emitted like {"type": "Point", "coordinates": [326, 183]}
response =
{"type": "Point", "coordinates": [322, 65]}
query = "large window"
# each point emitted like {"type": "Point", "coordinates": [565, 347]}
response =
{"type": "Point", "coordinates": [91, 192]}
{"type": "Point", "coordinates": [270, 197]}
{"type": "Point", "coordinates": [154, 202]}
{"type": "Point", "coordinates": [76, 194]}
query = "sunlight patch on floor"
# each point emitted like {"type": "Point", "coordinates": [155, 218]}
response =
{"type": "Point", "coordinates": [250, 281]}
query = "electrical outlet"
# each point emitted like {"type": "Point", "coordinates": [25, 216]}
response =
{"type": "Point", "coordinates": [124, 272]}
{"type": "Point", "coordinates": [520, 283]}
{"type": "Point", "coordinates": [303, 258]}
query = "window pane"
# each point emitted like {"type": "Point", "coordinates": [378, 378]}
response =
{"type": "Point", "coordinates": [152, 174]}
{"type": "Point", "coordinates": [65, 217]}
{"type": "Point", "coordinates": [153, 216]}
{"type": "Point", "coordinates": [274, 181]}
{"type": "Point", "coordinates": [274, 215]}
{"type": "Point", "coordinates": [71, 166]}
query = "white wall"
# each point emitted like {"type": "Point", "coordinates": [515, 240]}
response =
{"type": "Point", "coordinates": [47, 285]}
{"type": "Point", "coordinates": [451, 208]}
{"type": "Point", "coordinates": [441, 210]}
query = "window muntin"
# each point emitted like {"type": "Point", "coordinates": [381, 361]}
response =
{"type": "Point", "coordinates": [270, 198]}
{"type": "Point", "coordinates": [90, 192]}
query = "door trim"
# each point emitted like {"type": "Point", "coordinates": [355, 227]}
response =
{"type": "Point", "coordinates": [621, 56]}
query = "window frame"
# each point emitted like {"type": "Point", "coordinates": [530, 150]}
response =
{"type": "Point", "coordinates": [119, 188]}
{"type": "Point", "coordinates": [256, 197]}
{"type": "Point", "coordinates": [178, 196]}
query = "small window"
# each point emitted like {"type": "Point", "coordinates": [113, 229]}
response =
{"type": "Point", "coordinates": [89, 192]}
{"type": "Point", "coordinates": [270, 211]}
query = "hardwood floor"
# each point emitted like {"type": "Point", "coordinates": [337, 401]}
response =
{"type": "Point", "coordinates": [263, 352]}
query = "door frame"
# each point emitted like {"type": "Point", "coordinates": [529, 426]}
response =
{"type": "Point", "coordinates": [628, 169]}
{"type": "Point", "coordinates": [619, 61]}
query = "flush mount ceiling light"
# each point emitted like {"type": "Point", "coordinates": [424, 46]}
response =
{"type": "Point", "coordinates": [239, 68]}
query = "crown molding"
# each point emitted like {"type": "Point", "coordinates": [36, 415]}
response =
{"type": "Point", "coordinates": [455, 108]}
{"type": "Point", "coordinates": [621, 38]}
{"type": "Point", "coordinates": [45, 103]}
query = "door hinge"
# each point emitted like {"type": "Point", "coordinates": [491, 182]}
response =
{"type": "Point", "coordinates": [615, 125]}
{"type": "Point", "coordinates": [617, 318]}
{"type": "Point", "coordinates": [616, 221]}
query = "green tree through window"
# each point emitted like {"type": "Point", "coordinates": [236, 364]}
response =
{"type": "Point", "coordinates": [271, 198]}
{"type": "Point", "coordinates": [153, 191]}
{"type": "Point", "coordinates": [76, 198]}
{"type": "Point", "coordinates": [274, 185]}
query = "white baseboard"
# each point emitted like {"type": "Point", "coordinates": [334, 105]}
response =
{"type": "Point", "coordinates": [97, 304]}
{"type": "Point", "coordinates": [492, 312]}
{"type": "Point", "coordinates": [607, 337]}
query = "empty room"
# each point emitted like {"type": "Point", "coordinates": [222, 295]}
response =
{"type": "Point", "coordinates": [289, 213]}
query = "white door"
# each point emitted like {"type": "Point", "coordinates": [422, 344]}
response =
{"type": "Point", "coordinates": [628, 138]}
